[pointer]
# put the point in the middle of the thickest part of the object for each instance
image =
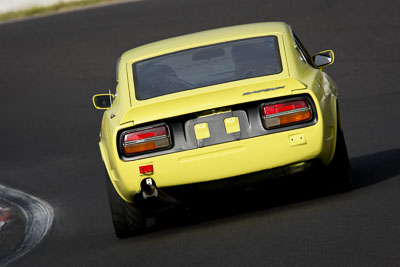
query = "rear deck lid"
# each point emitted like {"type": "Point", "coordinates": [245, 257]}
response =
{"type": "Point", "coordinates": [208, 98]}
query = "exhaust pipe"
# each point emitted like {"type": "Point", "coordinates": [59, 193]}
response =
{"type": "Point", "coordinates": [149, 188]}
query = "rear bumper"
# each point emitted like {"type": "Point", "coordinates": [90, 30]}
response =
{"type": "Point", "coordinates": [225, 160]}
{"type": "Point", "coordinates": [249, 180]}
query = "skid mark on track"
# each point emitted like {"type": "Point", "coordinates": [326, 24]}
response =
{"type": "Point", "coordinates": [39, 219]}
{"type": "Point", "coordinates": [4, 214]}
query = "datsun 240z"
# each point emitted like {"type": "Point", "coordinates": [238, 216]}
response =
{"type": "Point", "coordinates": [217, 106]}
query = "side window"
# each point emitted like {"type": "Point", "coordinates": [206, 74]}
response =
{"type": "Point", "coordinates": [303, 53]}
{"type": "Point", "coordinates": [298, 49]}
{"type": "Point", "coordinates": [116, 70]}
{"type": "Point", "coordinates": [302, 50]}
{"type": "Point", "coordinates": [117, 77]}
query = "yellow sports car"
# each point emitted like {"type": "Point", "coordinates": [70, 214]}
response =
{"type": "Point", "coordinates": [224, 107]}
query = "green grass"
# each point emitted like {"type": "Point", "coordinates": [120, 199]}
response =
{"type": "Point", "coordinates": [35, 11]}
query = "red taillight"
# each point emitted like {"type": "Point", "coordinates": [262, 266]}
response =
{"type": "Point", "coordinates": [282, 107]}
{"type": "Point", "coordinates": [159, 131]}
{"type": "Point", "coordinates": [146, 140]}
{"type": "Point", "coordinates": [286, 113]}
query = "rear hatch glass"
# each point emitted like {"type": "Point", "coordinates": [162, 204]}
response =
{"type": "Point", "coordinates": [205, 66]}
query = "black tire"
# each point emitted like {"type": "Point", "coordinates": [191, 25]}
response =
{"type": "Point", "coordinates": [127, 219]}
{"type": "Point", "coordinates": [339, 170]}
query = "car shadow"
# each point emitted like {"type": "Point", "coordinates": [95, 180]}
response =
{"type": "Point", "coordinates": [375, 168]}
{"type": "Point", "coordinates": [367, 171]}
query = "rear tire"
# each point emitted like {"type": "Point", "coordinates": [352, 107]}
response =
{"type": "Point", "coordinates": [339, 171]}
{"type": "Point", "coordinates": [127, 219]}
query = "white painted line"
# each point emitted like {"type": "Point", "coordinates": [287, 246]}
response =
{"type": "Point", "coordinates": [74, 9]}
{"type": "Point", "coordinates": [15, 5]}
{"type": "Point", "coordinates": [39, 219]}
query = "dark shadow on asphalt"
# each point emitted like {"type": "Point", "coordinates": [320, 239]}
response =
{"type": "Point", "coordinates": [367, 171]}
{"type": "Point", "coordinates": [375, 168]}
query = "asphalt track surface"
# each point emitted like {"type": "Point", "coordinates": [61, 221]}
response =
{"type": "Point", "coordinates": [50, 67]}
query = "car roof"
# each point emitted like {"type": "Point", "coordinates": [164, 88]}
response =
{"type": "Point", "coordinates": [205, 38]}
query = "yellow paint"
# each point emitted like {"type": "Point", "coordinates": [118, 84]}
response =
{"type": "Point", "coordinates": [231, 158]}
{"type": "Point", "coordinates": [297, 139]}
{"type": "Point", "coordinates": [208, 98]}
{"type": "Point", "coordinates": [201, 130]}
{"type": "Point", "coordinates": [207, 154]}
{"type": "Point", "coordinates": [232, 125]}
{"type": "Point", "coordinates": [223, 160]}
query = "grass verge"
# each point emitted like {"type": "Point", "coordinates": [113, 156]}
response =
{"type": "Point", "coordinates": [36, 11]}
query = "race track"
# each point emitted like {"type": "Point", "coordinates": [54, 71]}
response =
{"type": "Point", "coordinates": [51, 66]}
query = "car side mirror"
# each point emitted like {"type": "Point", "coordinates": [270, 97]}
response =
{"type": "Point", "coordinates": [103, 101]}
{"type": "Point", "coordinates": [323, 59]}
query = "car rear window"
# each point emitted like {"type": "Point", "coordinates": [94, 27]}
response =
{"type": "Point", "coordinates": [208, 65]}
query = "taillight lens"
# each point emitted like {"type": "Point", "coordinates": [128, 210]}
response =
{"type": "Point", "coordinates": [279, 114]}
{"type": "Point", "coordinates": [146, 140]}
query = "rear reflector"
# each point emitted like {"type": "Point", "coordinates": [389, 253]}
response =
{"type": "Point", "coordinates": [146, 140]}
{"type": "Point", "coordinates": [284, 113]}
{"type": "Point", "coordinates": [146, 169]}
